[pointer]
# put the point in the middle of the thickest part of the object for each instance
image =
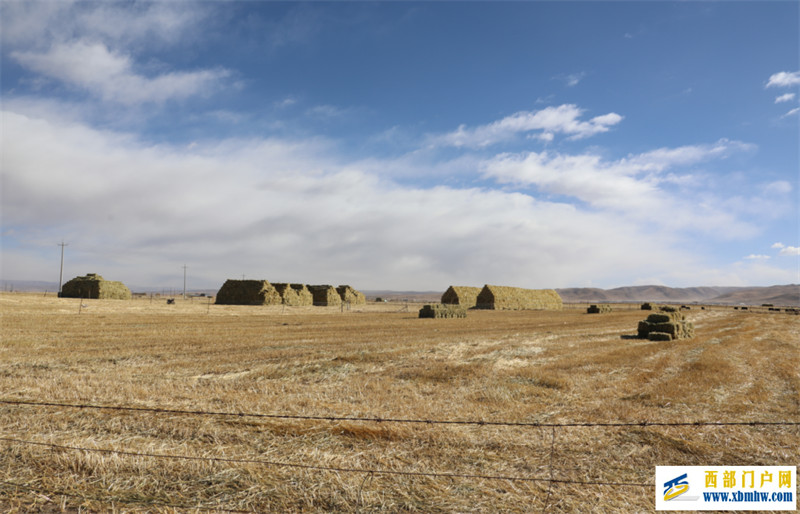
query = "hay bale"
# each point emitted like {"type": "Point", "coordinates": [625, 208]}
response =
{"type": "Point", "coordinates": [647, 306]}
{"type": "Point", "coordinates": [461, 295]}
{"type": "Point", "coordinates": [294, 294]}
{"type": "Point", "coordinates": [325, 295]}
{"type": "Point", "coordinates": [440, 310]}
{"type": "Point", "coordinates": [517, 298]}
{"type": "Point", "coordinates": [248, 292]}
{"type": "Point", "coordinates": [598, 309]}
{"type": "Point", "coordinates": [659, 336]}
{"type": "Point", "coordinates": [665, 317]}
{"type": "Point", "coordinates": [94, 286]}
{"type": "Point", "coordinates": [351, 296]}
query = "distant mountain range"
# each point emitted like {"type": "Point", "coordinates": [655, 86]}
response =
{"type": "Point", "coordinates": [787, 295]}
{"type": "Point", "coordinates": [776, 295]}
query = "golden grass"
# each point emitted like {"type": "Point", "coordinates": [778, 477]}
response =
{"type": "Point", "coordinates": [562, 366]}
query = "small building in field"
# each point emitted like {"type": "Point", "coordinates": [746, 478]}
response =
{"type": "Point", "coordinates": [517, 298]}
{"type": "Point", "coordinates": [461, 295]}
{"type": "Point", "coordinates": [94, 286]}
{"type": "Point", "coordinates": [325, 295]}
{"type": "Point", "coordinates": [248, 292]}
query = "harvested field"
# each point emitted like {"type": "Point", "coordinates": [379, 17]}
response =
{"type": "Point", "coordinates": [374, 362]}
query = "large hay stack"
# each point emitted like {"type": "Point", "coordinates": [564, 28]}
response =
{"type": "Point", "coordinates": [516, 298]}
{"type": "Point", "coordinates": [666, 325]}
{"type": "Point", "coordinates": [294, 294]}
{"type": "Point", "coordinates": [248, 292]}
{"type": "Point", "coordinates": [96, 287]}
{"type": "Point", "coordinates": [443, 311]}
{"type": "Point", "coordinates": [461, 295]}
{"type": "Point", "coordinates": [350, 296]}
{"type": "Point", "coordinates": [325, 295]}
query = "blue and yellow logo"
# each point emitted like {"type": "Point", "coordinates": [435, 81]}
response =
{"type": "Point", "coordinates": [675, 487]}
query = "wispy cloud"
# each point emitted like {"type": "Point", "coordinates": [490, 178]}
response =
{"type": "Point", "coordinates": [788, 97]}
{"type": "Point", "coordinates": [784, 79]}
{"type": "Point", "coordinates": [790, 251]}
{"type": "Point", "coordinates": [792, 112]}
{"type": "Point", "coordinates": [111, 77]}
{"type": "Point", "coordinates": [564, 119]}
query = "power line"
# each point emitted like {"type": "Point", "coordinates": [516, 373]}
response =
{"type": "Point", "coordinates": [322, 468]}
{"type": "Point", "coordinates": [404, 420]}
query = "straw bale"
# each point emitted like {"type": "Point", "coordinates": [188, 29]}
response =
{"type": "Point", "coordinates": [461, 295]}
{"type": "Point", "coordinates": [659, 336]}
{"type": "Point", "coordinates": [439, 310]}
{"type": "Point", "coordinates": [248, 292]}
{"type": "Point", "coordinates": [325, 295]}
{"type": "Point", "coordinates": [95, 286]}
{"type": "Point", "coordinates": [294, 294]}
{"type": "Point", "coordinates": [351, 296]}
{"type": "Point", "coordinates": [665, 317]}
{"type": "Point", "coordinates": [597, 309]}
{"type": "Point", "coordinates": [647, 306]}
{"type": "Point", "coordinates": [517, 298]}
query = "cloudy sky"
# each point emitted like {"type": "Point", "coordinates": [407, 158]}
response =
{"type": "Point", "coordinates": [402, 145]}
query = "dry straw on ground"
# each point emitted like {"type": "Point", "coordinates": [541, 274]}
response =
{"type": "Point", "coordinates": [248, 292]}
{"type": "Point", "coordinates": [94, 286]}
{"type": "Point", "coordinates": [325, 295]}
{"type": "Point", "coordinates": [517, 298]}
{"type": "Point", "coordinates": [461, 295]}
{"type": "Point", "coordinates": [519, 366]}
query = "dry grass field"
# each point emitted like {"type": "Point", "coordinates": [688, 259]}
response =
{"type": "Point", "coordinates": [376, 361]}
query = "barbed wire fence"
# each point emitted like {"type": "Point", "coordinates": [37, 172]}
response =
{"type": "Point", "coordinates": [550, 480]}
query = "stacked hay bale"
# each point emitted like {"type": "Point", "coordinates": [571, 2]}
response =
{"type": "Point", "coordinates": [325, 295]}
{"type": "Point", "coordinates": [248, 292]}
{"type": "Point", "coordinates": [647, 306]}
{"type": "Point", "coordinates": [440, 310]}
{"type": "Point", "coordinates": [666, 325]}
{"type": "Point", "coordinates": [461, 295]}
{"type": "Point", "coordinates": [516, 298]}
{"type": "Point", "coordinates": [294, 294]}
{"type": "Point", "coordinates": [350, 296]}
{"type": "Point", "coordinates": [598, 309]}
{"type": "Point", "coordinates": [94, 286]}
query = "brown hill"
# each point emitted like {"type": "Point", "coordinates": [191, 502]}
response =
{"type": "Point", "coordinates": [777, 295]}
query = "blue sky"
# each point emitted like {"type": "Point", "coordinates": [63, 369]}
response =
{"type": "Point", "coordinates": [402, 145]}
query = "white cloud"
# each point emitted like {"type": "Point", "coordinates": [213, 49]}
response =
{"type": "Point", "coordinates": [784, 79]}
{"type": "Point", "coordinates": [788, 97]}
{"type": "Point", "coordinates": [790, 251]}
{"type": "Point", "coordinates": [792, 112]}
{"type": "Point", "coordinates": [563, 119]}
{"type": "Point", "coordinates": [778, 245]}
{"type": "Point", "coordinates": [230, 207]}
{"type": "Point", "coordinates": [635, 185]}
{"type": "Point", "coordinates": [574, 79]}
{"type": "Point", "coordinates": [93, 67]}
{"type": "Point", "coordinates": [757, 257]}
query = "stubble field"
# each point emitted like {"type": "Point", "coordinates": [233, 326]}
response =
{"type": "Point", "coordinates": [525, 375]}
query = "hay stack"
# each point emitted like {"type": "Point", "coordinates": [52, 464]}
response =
{"type": "Point", "coordinates": [350, 296]}
{"type": "Point", "coordinates": [516, 298]}
{"type": "Point", "coordinates": [666, 325]}
{"type": "Point", "coordinates": [439, 310]}
{"type": "Point", "coordinates": [598, 309]}
{"type": "Point", "coordinates": [294, 294]}
{"type": "Point", "coordinates": [248, 292]}
{"type": "Point", "coordinates": [325, 295]}
{"type": "Point", "coordinates": [647, 306]}
{"type": "Point", "coordinates": [96, 287]}
{"type": "Point", "coordinates": [461, 295]}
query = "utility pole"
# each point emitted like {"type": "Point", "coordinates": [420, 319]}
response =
{"type": "Point", "coordinates": [184, 281]}
{"type": "Point", "coordinates": [62, 244]}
